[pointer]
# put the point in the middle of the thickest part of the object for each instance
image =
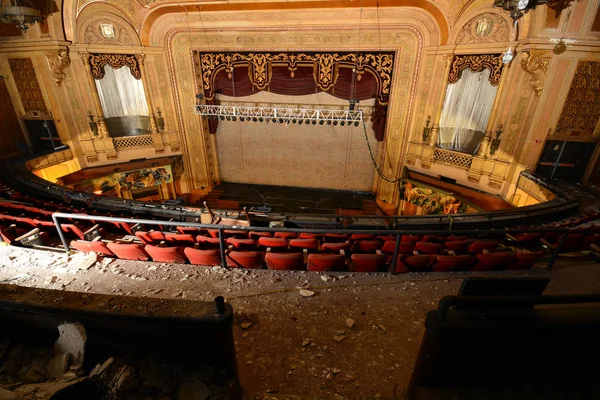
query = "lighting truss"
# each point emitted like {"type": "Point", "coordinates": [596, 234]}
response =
{"type": "Point", "coordinates": [280, 114]}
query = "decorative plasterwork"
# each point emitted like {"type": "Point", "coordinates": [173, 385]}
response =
{"type": "Point", "coordinates": [98, 61]}
{"type": "Point", "coordinates": [484, 28]}
{"type": "Point", "coordinates": [325, 67]}
{"type": "Point", "coordinates": [476, 63]}
{"type": "Point", "coordinates": [581, 112]}
{"type": "Point", "coordinates": [58, 63]}
{"type": "Point", "coordinates": [120, 35]}
{"type": "Point", "coordinates": [536, 67]}
{"type": "Point", "coordinates": [27, 85]}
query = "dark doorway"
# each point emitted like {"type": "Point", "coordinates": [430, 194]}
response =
{"type": "Point", "coordinates": [565, 160]}
{"type": "Point", "coordinates": [42, 134]}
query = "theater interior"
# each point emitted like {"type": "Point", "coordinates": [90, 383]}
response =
{"type": "Point", "coordinates": [299, 199]}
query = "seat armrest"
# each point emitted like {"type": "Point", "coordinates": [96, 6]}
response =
{"type": "Point", "coordinates": [451, 252]}
{"type": "Point", "coordinates": [595, 247]}
{"type": "Point", "coordinates": [511, 237]}
{"type": "Point", "coordinates": [547, 244]}
{"type": "Point", "coordinates": [343, 252]}
{"type": "Point", "coordinates": [29, 234]}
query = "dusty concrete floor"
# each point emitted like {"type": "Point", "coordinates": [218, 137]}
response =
{"type": "Point", "coordinates": [295, 345]}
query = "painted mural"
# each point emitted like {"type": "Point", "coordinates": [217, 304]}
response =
{"type": "Point", "coordinates": [432, 201]}
{"type": "Point", "coordinates": [136, 179]}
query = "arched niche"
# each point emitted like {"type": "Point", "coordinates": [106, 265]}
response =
{"type": "Point", "coordinates": [104, 24]}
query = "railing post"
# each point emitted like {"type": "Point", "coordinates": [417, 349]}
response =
{"type": "Point", "coordinates": [396, 251]}
{"type": "Point", "coordinates": [556, 251]}
{"type": "Point", "coordinates": [222, 248]}
{"type": "Point", "coordinates": [61, 234]}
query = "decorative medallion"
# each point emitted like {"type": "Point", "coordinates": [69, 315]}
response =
{"type": "Point", "coordinates": [107, 30]}
{"type": "Point", "coordinates": [484, 27]}
{"type": "Point", "coordinates": [325, 68]}
{"type": "Point", "coordinates": [477, 63]}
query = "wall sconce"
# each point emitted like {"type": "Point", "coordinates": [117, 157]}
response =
{"type": "Point", "coordinates": [93, 124]}
{"type": "Point", "coordinates": [496, 141]}
{"type": "Point", "coordinates": [427, 130]}
{"type": "Point", "coordinates": [160, 121]}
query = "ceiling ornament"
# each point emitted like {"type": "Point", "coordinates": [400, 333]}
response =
{"type": "Point", "coordinates": [98, 61]}
{"type": "Point", "coordinates": [535, 66]}
{"type": "Point", "coordinates": [58, 63]}
{"type": "Point", "coordinates": [325, 68]}
{"type": "Point", "coordinates": [476, 63]}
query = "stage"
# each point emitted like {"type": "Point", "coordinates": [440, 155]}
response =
{"type": "Point", "coordinates": [291, 200]}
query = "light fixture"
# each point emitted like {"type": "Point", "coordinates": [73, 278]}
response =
{"type": "Point", "coordinates": [160, 121]}
{"type": "Point", "coordinates": [93, 124]}
{"type": "Point", "coordinates": [20, 12]}
{"type": "Point", "coordinates": [495, 144]}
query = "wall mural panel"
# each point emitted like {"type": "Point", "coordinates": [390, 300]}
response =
{"type": "Point", "coordinates": [433, 201]}
{"type": "Point", "coordinates": [581, 112]}
{"type": "Point", "coordinates": [27, 85]}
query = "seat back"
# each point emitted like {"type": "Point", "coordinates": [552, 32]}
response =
{"type": "Point", "coordinates": [309, 244]}
{"type": "Point", "coordinates": [336, 237]}
{"type": "Point", "coordinates": [590, 240]}
{"type": "Point", "coordinates": [479, 247]}
{"type": "Point", "coordinates": [335, 247]}
{"type": "Point", "coordinates": [151, 237]}
{"type": "Point", "coordinates": [97, 246]}
{"type": "Point", "coordinates": [242, 244]}
{"type": "Point", "coordinates": [418, 263]}
{"type": "Point", "coordinates": [494, 261]}
{"type": "Point", "coordinates": [207, 243]}
{"type": "Point", "coordinates": [367, 246]}
{"type": "Point", "coordinates": [454, 263]}
{"type": "Point", "coordinates": [429, 247]}
{"type": "Point", "coordinates": [180, 239]}
{"type": "Point", "coordinates": [190, 230]}
{"type": "Point", "coordinates": [526, 260]}
{"type": "Point", "coordinates": [202, 257]}
{"type": "Point", "coordinates": [274, 243]}
{"type": "Point", "coordinates": [165, 254]}
{"type": "Point", "coordinates": [368, 263]}
{"type": "Point", "coordinates": [573, 242]}
{"type": "Point", "coordinates": [307, 235]}
{"type": "Point", "coordinates": [129, 251]}
{"type": "Point", "coordinates": [285, 261]}
{"type": "Point", "coordinates": [326, 262]}
{"type": "Point", "coordinates": [245, 259]}
{"type": "Point", "coordinates": [361, 236]}
{"type": "Point", "coordinates": [73, 230]}
{"type": "Point", "coordinates": [405, 247]}
{"type": "Point", "coordinates": [457, 246]}
{"type": "Point", "coordinates": [257, 235]}
{"type": "Point", "coordinates": [286, 235]}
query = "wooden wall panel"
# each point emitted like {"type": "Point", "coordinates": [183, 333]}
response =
{"type": "Point", "coordinates": [10, 129]}
{"type": "Point", "coordinates": [27, 85]}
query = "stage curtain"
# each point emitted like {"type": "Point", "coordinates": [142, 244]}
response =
{"type": "Point", "coordinates": [121, 95]}
{"type": "Point", "coordinates": [302, 84]}
{"type": "Point", "coordinates": [466, 112]}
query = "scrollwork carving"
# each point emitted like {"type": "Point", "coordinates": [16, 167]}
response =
{"type": "Point", "coordinates": [535, 66]}
{"type": "Point", "coordinates": [476, 63]}
{"type": "Point", "coordinates": [92, 34]}
{"type": "Point", "coordinates": [325, 67]}
{"type": "Point", "coordinates": [58, 64]}
{"type": "Point", "coordinates": [98, 61]}
{"type": "Point", "coordinates": [484, 28]}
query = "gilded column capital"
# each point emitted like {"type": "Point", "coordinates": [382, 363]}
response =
{"type": "Point", "coordinates": [536, 67]}
{"type": "Point", "coordinates": [448, 59]}
{"type": "Point", "coordinates": [85, 58]}
{"type": "Point", "coordinates": [141, 58]}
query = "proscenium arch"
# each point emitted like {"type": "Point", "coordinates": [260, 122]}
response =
{"type": "Point", "coordinates": [428, 7]}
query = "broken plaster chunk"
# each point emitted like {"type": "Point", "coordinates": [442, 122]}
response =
{"type": "Point", "coordinates": [72, 340]}
{"type": "Point", "coordinates": [58, 365]}
{"type": "Point", "coordinates": [306, 293]}
{"type": "Point", "coordinates": [349, 323]}
{"type": "Point", "coordinates": [245, 325]}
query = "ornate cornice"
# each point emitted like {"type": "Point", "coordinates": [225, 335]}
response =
{"type": "Point", "coordinates": [536, 67]}
{"type": "Point", "coordinates": [325, 67]}
{"type": "Point", "coordinates": [58, 63]}
{"type": "Point", "coordinates": [98, 61]}
{"type": "Point", "coordinates": [477, 63]}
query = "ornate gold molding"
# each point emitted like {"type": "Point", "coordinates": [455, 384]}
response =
{"type": "Point", "coordinates": [534, 66]}
{"type": "Point", "coordinates": [476, 63]}
{"type": "Point", "coordinates": [325, 68]}
{"type": "Point", "coordinates": [448, 59]}
{"type": "Point", "coordinates": [98, 61]}
{"type": "Point", "coordinates": [484, 28]}
{"type": "Point", "coordinates": [58, 64]}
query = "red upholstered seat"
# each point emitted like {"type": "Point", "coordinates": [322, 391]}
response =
{"type": "Point", "coordinates": [368, 263]}
{"type": "Point", "coordinates": [214, 233]}
{"type": "Point", "coordinates": [457, 246]}
{"type": "Point", "coordinates": [428, 247]}
{"type": "Point", "coordinates": [453, 238]}
{"type": "Point", "coordinates": [526, 260]}
{"type": "Point", "coordinates": [257, 235]}
{"type": "Point", "coordinates": [410, 238]}
{"type": "Point", "coordinates": [361, 236]}
{"type": "Point", "coordinates": [590, 240]}
{"type": "Point", "coordinates": [306, 235]}
{"type": "Point", "coordinates": [242, 244]}
{"type": "Point", "coordinates": [336, 237]}
{"type": "Point", "coordinates": [385, 238]}
{"type": "Point", "coordinates": [286, 235]}
{"type": "Point", "coordinates": [573, 242]}
{"type": "Point", "coordinates": [152, 237]}
{"type": "Point", "coordinates": [180, 239]}
{"type": "Point", "coordinates": [527, 238]}
{"type": "Point", "coordinates": [129, 251]}
{"type": "Point", "coordinates": [165, 254]}
{"type": "Point", "coordinates": [97, 246]}
{"type": "Point", "coordinates": [188, 230]}
{"type": "Point", "coordinates": [419, 263]}
{"type": "Point", "coordinates": [479, 247]}
{"type": "Point", "coordinates": [367, 246]}
{"type": "Point", "coordinates": [285, 261]}
{"type": "Point", "coordinates": [309, 244]}
{"type": "Point", "coordinates": [335, 247]}
{"type": "Point", "coordinates": [73, 230]}
{"type": "Point", "coordinates": [207, 243]}
{"type": "Point", "coordinates": [235, 234]}
{"type": "Point", "coordinates": [275, 243]}
{"type": "Point", "coordinates": [245, 259]}
{"type": "Point", "coordinates": [326, 262]}
{"type": "Point", "coordinates": [454, 263]}
{"type": "Point", "coordinates": [405, 247]}
{"type": "Point", "coordinates": [494, 261]}
{"type": "Point", "coordinates": [202, 257]}
{"type": "Point", "coordinates": [434, 238]}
